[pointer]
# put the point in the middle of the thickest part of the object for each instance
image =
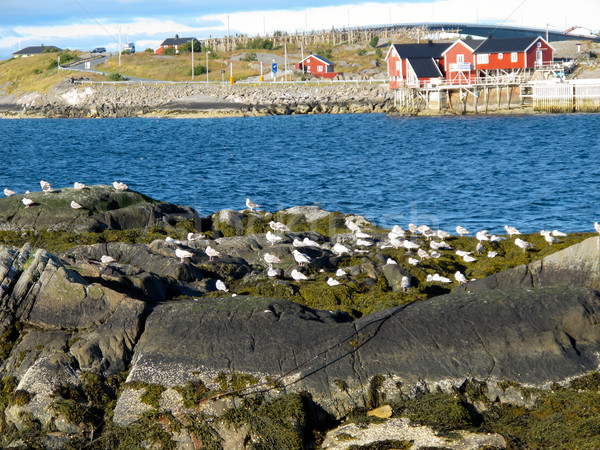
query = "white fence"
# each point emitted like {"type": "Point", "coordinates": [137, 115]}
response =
{"type": "Point", "coordinates": [574, 95]}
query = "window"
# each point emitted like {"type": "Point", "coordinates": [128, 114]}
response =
{"type": "Point", "coordinates": [500, 55]}
{"type": "Point", "coordinates": [539, 44]}
{"type": "Point", "coordinates": [483, 58]}
{"type": "Point", "coordinates": [308, 68]}
{"type": "Point", "coordinates": [398, 66]}
{"type": "Point", "coordinates": [514, 57]}
{"type": "Point", "coordinates": [308, 60]}
{"type": "Point", "coordinates": [460, 58]}
{"type": "Point", "coordinates": [320, 68]}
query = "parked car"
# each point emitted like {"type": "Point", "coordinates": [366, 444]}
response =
{"type": "Point", "coordinates": [99, 50]}
{"type": "Point", "coordinates": [129, 47]}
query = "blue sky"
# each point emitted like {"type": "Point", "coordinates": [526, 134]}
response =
{"type": "Point", "coordinates": [85, 24]}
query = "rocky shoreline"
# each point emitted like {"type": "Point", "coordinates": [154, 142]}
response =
{"type": "Point", "coordinates": [119, 322]}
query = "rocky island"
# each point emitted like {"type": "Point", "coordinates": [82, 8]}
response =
{"type": "Point", "coordinates": [130, 322]}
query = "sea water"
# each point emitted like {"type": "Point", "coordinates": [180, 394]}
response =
{"type": "Point", "coordinates": [532, 172]}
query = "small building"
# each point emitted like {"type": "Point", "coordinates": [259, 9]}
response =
{"type": "Point", "coordinates": [415, 65]}
{"type": "Point", "coordinates": [174, 43]}
{"type": "Point", "coordinates": [317, 66]}
{"type": "Point", "coordinates": [36, 50]}
{"type": "Point", "coordinates": [469, 61]}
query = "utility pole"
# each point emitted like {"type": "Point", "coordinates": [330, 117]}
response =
{"type": "Point", "coordinates": [207, 52]}
{"type": "Point", "coordinates": [228, 35]}
{"type": "Point", "coordinates": [192, 41]}
{"type": "Point", "coordinates": [119, 46]}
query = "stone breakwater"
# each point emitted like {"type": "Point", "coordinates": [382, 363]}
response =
{"type": "Point", "coordinates": [69, 99]}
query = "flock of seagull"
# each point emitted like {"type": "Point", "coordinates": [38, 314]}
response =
{"type": "Point", "coordinates": [397, 238]}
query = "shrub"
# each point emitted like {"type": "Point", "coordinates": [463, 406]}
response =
{"type": "Point", "coordinates": [250, 56]}
{"type": "Point", "coordinates": [115, 76]}
{"type": "Point", "coordinates": [374, 41]}
{"type": "Point", "coordinates": [198, 70]}
{"type": "Point", "coordinates": [169, 51]}
{"type": "Point", "coordinates": [379, 53]}
{"type": "Point", "coordinates": [149, 50]}
{"type": "Point", "coordinates": [361, 52]}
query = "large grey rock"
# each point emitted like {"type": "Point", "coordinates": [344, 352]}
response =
{"type": "Point", "coordinates": [531, 337]}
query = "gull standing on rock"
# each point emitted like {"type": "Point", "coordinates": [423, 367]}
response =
{"type": "Point", "coordinates": [310, 243]}
{"type": "Point", "coordinates": [408, 245]}
{"type": "Point", "coordinates": [271, 259]}
{"type": "Point", "coordinates": [405, 283]}
{"type": "Point", "coordinates": [597, 227]}
{"type": "Point", "coordinates": [460, 278]}
{"type": "Point", "coordinates": [511, 231]}
{"type": "Point", "coordinates": [8, 192]}
{"type": "Point", "coordinates": [220, 285]}
{"type": "Point", "coordinates": [272, 238]}
{"type": "Point", "coordinates": [523, 244]}
{"type": "Point", "coordinates": [482, 235]}
{"type": "Point", "coordinates": [212, 253]}
{"type": "Point", "coordinates": [75, 205]}
{"type": "Point", "coordinates": [352, 226]}
{"type": "Point", "coordinates": [462, 230]}
{"type": "Point", "coordinates": [272, 272]}
{"type": "Point", "coordinates": [340, 249]}
{"type": "Point", "coordinates": [557, 233]}
{"type": "Point", "coordinates": [194, 236]}
{"type": "Point", "coordinates": [27, 202]}
{"type": "Point", "coordinates": [278, 226]}
{"type": "Point", "coordinates": [78, 186]}
{"type": "Point", "coordinates": [120, 186]}
{"type": "Point", "coordinates": [332, 282]}
{"type": "Point", "coordinates": [46, 187]}
{"type": "Point", "coordinates": [180, 253]}
{"type": "Point", "coordinates": [298, 276]}
{"type": "Point", "coordinates": [301, 258]}
{"type": "Point", "coordinates": [105, 259]}
{"type": "Point", "coordinates": [251, 205]}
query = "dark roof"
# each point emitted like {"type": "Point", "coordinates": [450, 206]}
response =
{"type": "Point", "coordinates": [425, 67]}
{"type": "Point", "coordinates": [313, 55]}
{"type": "Point", "coordinates": [37, 49]}
{"type": "Point", "coordinates": [429, 50]}
{"type": "Point", "coordinates": [492, 45]}
{"type": "Point", "coordinates": [176, 41]}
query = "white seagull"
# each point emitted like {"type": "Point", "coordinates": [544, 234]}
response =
{"type": "Point", "coordinates": [492, 254]}
{"type": "Point", "coordinates": [46, 187]}
{"type": "Point", "coordinates": [298, 276]}
{"type": "Point", "coordinates": [405, 283]}
{"type": "Point", "coordinates": [511, 231]}
{"type": "Point", "coordinates": [458, 276]}
{"type": "Point", "coordinates": [272, 272]}
{"type": "Point", "coordinates": [194, 236]}
{"type": "Point", "coordinates": [462, 253]}
{"type": "Point", "coordinates": [435, 254]}
{"type": "Point", "coordinates": [408, 245]}
{"type": "Point", "coordinates": [523, 244]}
{"type": "Point", "coordinates": [462, 230]}
{"type": "Point", "coordinates": [221, 286]}
{"type": "Point", "coordinates": [211, 252]}
{"type": "Point", "coordinates": [180, 253]}
{"type": "Point", "coordinates": [251, 205]}
{"type": "Point", "coordinates": [301, 258]}
{"type": "Point", "coordinates": [443, 234]}
{"type": "Point", "coordinates": [105, 259]}
{"type": "Point", "coordinates": [550, 239]}
{"type": "Point", "coordinates": [352, 226]}
{"type": "Point", "coordinates": [78, 186]}
{"type": "Point", "coordinates": [27, 202]}
{"type": "Point", "coordinates": [272, 238]}
{"type": "Point", "coordinates": [271, 259]}
{"type": "Point", "coordinates": [278, 226]}
{"type": "Point", "coordinates": [597, 227]}
{"type": "Point", "coordinates": [310, 243]}
{"type": "Point", "coordinates": [171, 240]}
{"type": "Point", "coordinates": [364, 243]}
{"type": "Point", "coordinates": [298, 243]}
{"type": "Point", "coordinates": [75, 205]}
{"type": "Point", "coordinates": [8, 192]}
{"type": "Point", "coordinates": [363, 235]}
{"type": "Point", "coordinates": [413, 261]}
{"type": "Point", "coordinates": [119, 186]}
{"type": "Point", "coordinates": [332, 282]}
{"type": "Point", "coordinates": [482, 235]}
{"type": "Point", "coordinates": [422, 254]}
{"type": "Point", "coordinates": [340, 273]}
{"type": "Point", "coordinates": [495, 238]}
{"type": "Point", "coordinates": [469, 258]}
{"type": "Point", "coordinates": [396, 232]}
{"type": "Point", "coordinates": [413, 228]}
{"type": "Point", "coordinates": [340, 249]}
{"type": "Point", "coordinates": [391, 262]}
{"type": "Point", "coordinates": [479, 248]}
{"type": "Point", "coordinates": [558, 233]}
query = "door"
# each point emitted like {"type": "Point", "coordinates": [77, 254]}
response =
{"type": "Point", "coordinates": [539, 58]}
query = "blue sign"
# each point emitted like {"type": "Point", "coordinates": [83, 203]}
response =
{"type": "Point", "coordinates": [274, 67]}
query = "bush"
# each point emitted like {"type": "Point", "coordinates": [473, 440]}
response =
{"type": "Point", "coordinates": [169, 51]}
{"type": "Point", "coordinates": [361, 52]}
{"type": "Point", "coordinates": [379, 53]}
{"type": "Point", "coordinates": [374, 41]}
{"type": "Point", "coordinates": [198, 70]}
{"type": "Point", "coordinates": [115, 76]}
{"type": "Point", "coordinates": [149, 50]}
{"type": "Point", "coordinates": [187, 47]}
{"type": "Point", "coordinates": [250, 56]}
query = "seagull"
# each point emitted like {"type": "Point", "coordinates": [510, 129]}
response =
{"type": "Point", "coordinates": [482, 235]}
{"type": "Point", "coordinates": [105, 259]}
{"type": "Point", "coordinates": [180, 253]}
{"type": "Point", "coordinates": [271, 259]}
{"type": "Point", "coordinates": [462, 230]}
{"type": "Point", "coordinates": [511, 231]}
{"type": "Point", "coordinates": [523, 244]}
{"type": "Point", "coordinates": [558, 233]}
{"type": "Point", "coordinates": [340, 249]}
{"type": "Point", "coordinates": [462, 253]}
{"type": "Point", "coordinates": [550, 239]}
{"type": "Point", "coordinates": [310, 243]}
{"type": "Point", "coordinates": [423, 228]}
{"type": "Point", "coordinates": [340, 273]}
{"type": "Point", "coordinates": [413, 228]}
{"type": "Point", "coordinates": [46, 187]}
{"type": "Point", "coordinates": [27, 202]}
{"type": "Point", "coordinates": [363, 235]}
{"type": "Point", "coordinates": [597, 227]}
{"type": "Point", "coordinates": [298, 276]}
{"type": "Point", "coordinates": [408, 245]}
{"type": "Point", "coordinates": [440, 245]}
{"type": "Point", "coordinates": [332, 282]}
{"type": "Point", "coordinates": [298, 243]}
{"type": "Point", "coordinates": [194, 236]}
{"type": "Point", "coordinates": [251, 205]}
{"type": "Point", "coordinates": [352, 226]}
{"type": "Point", "coordinates": [78, 186]}
{"type": "Point", "coordinates": [468, 258]}
{"type": "Point", "coordinates": [272, 272]}
{"type": "Point", "coordinates": [405, 283]}
{"type": "Point", "coordinates": [221, 286]}
{"type": "Point", "coordinates": [170, 240]}
{"type": "Point", "coordinates": [273, 238]}
{"type": "Point", "coordinates": [413, 261]}
{"type": "Point", "coordinates": [75, 205]}
{"type": "Point", "coordinates": [364, 243]}
{"type": "Point", "coordinates": [492, 254]}
{"type": "Point", "coordinates": [211, 252]}
{"type": "Point", "coordinates": [120, 186]}
{"type": "Point", "coordinates": [479, 248]}
{"type": "Point", "coordinates": [443, 234]}
{"type": "Point", "coordinates": [438, 278]}
{"type": "Point", "coordinates": [495, 238]}
{"type": "Point", "coordinates": [422, 254]}
{"type": "Point", "coordinates": [301, 258]}
{"type": "Point", "coordinates": [278, 226]}
{"type": "Point", "coordinates": [458, 276]}
{"type": "Point", "coordinates": [391, 262]}
{"type": "Point", "coordinates": [8, 192]}
{"type": "Point", "coordinates": [435, 254]}
{"type": "Point", "coordinates": [396, 232]}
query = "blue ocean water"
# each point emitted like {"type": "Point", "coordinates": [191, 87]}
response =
{"type": "Point", "coordinates": [532, 172]}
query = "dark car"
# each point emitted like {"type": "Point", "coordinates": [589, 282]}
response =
{"type": "Point", "coordinates": [99, 50]}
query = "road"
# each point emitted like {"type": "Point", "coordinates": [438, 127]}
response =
{"type": "Point", "coordinates": [81, 66]}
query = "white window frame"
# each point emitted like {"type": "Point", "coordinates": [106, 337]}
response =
{"type": "Point", "coordinates": [460, 58]}
{"type": "Point", "coordinates": [398, 66]}
{"type": "Point", "coordinates": [514, 57]}
{"type": "Point", "coordinates": [500, 55]}
{"type": "Point", "coordinates": [483, 58]}
{"type": "Point", "coordinates": [319, 68]}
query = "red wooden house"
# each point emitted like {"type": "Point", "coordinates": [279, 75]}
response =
{"type": "Point", "coordinates": [318, 66]}
{"type": "Point", "coordinates": [470, 60]}
{"type": "Point", "coordinates": [415, 65]}
{"type": "Point", "coordinates": [175, 43]}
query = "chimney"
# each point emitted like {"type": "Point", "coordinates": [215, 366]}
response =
{"type": "Point", "coordinates": [176, 36]}
{"type": "Point", "coordinates": [430, 42]}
